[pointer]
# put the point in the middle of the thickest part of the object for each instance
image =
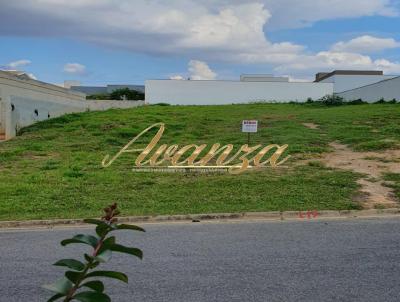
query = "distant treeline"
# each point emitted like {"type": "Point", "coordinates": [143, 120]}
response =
{"type": "Point", "coordinates": [123, 94]}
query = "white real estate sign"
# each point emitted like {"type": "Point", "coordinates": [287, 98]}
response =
{"type": "Point", "coordinates": [249, 126]}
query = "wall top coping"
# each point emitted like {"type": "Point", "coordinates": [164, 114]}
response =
{"type": "Point", "coordinates": [39, 84]}
{"type": "Point", "coordinates": [243, 82]}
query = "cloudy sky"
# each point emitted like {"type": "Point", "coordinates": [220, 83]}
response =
{"type": "Point", "coordinates": [125, 41]}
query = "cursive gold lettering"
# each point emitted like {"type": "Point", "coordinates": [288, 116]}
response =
{"type": "Point", "coordinates": [175, 155]}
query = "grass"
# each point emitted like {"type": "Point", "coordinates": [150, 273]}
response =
{"type": "Point", "coordinates": [394, 179]}
{"type": "Point", "coordinates": [52, 170]}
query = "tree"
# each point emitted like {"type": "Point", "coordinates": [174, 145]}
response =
{"type": "Point", "coordinates": [126, 94]}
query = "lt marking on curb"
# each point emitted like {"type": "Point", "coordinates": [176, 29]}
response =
{"type": "Point", "coordinates": [309, 214]}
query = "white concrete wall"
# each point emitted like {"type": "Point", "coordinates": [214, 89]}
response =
{"type": "Point", "coordinates": [100, 105]}
{"type": "Point", "coordinates": [180, 92]}
{"type": "Point", "coordinates": [347, 82]}
{"type": "Point", "coordinates": [21, 98]}
{"type": "Point", "coordinates": [388, 89]}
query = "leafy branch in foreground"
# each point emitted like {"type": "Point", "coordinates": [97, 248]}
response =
{"type": "Point", "coordinates": [78, 283]}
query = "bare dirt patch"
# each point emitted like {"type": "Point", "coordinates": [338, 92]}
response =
{"type": "Point", "coordinates": [373, 165]}
{"type": "Point", "coordinates": [311, 125]}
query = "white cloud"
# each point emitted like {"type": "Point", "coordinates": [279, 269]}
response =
{"type": "Point", "coordinates": [366, 44]}
{"type": "Point", "coordinates": [17, 64]}
{"type": "Point", "coordinates": [232, 31]}
{"type": "Point", "coordinates": [176, 77]}
{"type": "Point", "coordinates": [197, 70]}
{"type": "Point", "coordinates": [330, 60]}
{"type": "Point", "coordinates": [75, 68]}
{"type": "Point", "coordinates": [200, 71]}
{"type": "Point", "coordinates": [295, 14]}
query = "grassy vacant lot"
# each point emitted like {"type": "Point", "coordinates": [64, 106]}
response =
{"type": "Point", "coordinates": [53, 168]}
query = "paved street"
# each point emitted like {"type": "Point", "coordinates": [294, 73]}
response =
{"type": "Point", "coordinates": [331, 260]}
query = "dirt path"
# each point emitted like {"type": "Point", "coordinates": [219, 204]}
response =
{"type": "Point", "coordinates": [311, 125]}
{"type": "Point", "coordinates": [373, 165]}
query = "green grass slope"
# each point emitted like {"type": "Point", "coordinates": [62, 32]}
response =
{"type": "Point", "coordinates": [53, 169]}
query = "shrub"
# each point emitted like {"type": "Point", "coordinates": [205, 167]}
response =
{"type": "Point", "coordinates": [356, 102]}
{"type": "Point", "coordinates": [118, 94]}
{"type": "Point", "coordinates": [126, 94]}
{"type": "Point", "coordinates": [100, 96]}
{"type": "Point", "coordinates": [332, 100]}
{"type": "Point", "coordinates": [380, 101]}
{"type": "Point", "coordinates": [75, 285]}
{"type": "Point", "coordinates": [160, 104]}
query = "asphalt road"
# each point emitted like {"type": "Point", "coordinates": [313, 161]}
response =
{"type": "Point", "coordinates": [332, 260]}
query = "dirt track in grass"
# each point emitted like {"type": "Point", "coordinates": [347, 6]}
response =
{"type": "Point", "coordinates": [374, 191]}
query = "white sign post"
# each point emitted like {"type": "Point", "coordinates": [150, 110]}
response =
{"type": "Point", "coordinates": [249, 126]}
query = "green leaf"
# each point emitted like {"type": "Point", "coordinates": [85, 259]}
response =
{"type": "Point", "coordinates": [62, 286]}
{"type": "Point", "coordinates": [109, 274]}
{"type": "Point", "coordinates": [109, 240]}
{"type": "Point", "coordinates": [55, 297]}
{"type": "Point", "coordinates": [73, 276]}
{"type": "Point", "coordinates": [102, 229]}
{"type": "Point", "coordinates": [71, 263]}
{"type": "Point", "coordinates": [86, 239]}
{"type": "Point", "coordinates": [106, 243]}
{"type": "Point", "coordinates": [104, 256]}
{"type": "Point", "coordinates": [129, 227]}
{"type": "Point", "coordinates": [92, 297]}
{"type": "Point", "coordinates": [88, 258]}
{"type": "Point", "coordinates": [94, 264]}
{"type": "Point", "coordinates": [96, 285]}
{"type": "Point", "coordinates": [127, 250]}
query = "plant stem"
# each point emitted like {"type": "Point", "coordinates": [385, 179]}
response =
{"type": "Point", "coordinates": [84, 272]}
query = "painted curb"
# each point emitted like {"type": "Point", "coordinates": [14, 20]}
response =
{"type": "Point", "coordinates": [287, 215]}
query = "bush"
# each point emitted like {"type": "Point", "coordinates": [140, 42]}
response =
{"type": "Point", "coordinates": [356, 102]}
{"type": "Point", "coordinates": [100, 96]}
{"type": "Point", "coordinates": [126, 94]}
{"type": "Point", "coordinates": [381, 101]}
{"type": "Point", "coordinates": [161, 104]}
{"type": "Point", "coordinates": [332, 100]}
{"type": "Point", "coordinates": [118, 94]}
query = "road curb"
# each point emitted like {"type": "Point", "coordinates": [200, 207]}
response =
{"type": "Point", "coordinates": [286, 215]}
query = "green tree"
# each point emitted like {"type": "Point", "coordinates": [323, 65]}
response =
{"type": "Point", "coordinates": [126, 94]}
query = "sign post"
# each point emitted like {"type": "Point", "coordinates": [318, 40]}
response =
{"type": "Point", "coordinates": [249, 126]}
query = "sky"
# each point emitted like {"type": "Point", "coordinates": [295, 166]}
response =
{"type": "Point", "coordinates": [100, 42]}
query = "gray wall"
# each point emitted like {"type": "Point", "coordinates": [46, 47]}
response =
{"type": "Point", "coordinates": [19, 99]}
{"type": "Point", "coordinates": [181, 92]}
{"type": "Point", "coordinates": [344, 82]}
{"type": "Point", "coordinates": [387, 89]}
